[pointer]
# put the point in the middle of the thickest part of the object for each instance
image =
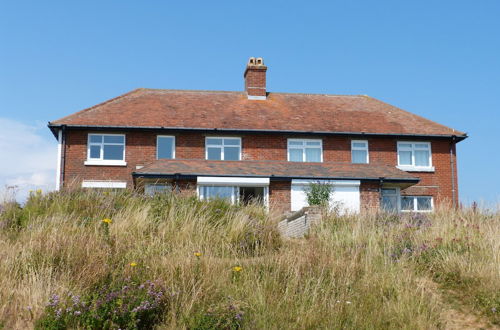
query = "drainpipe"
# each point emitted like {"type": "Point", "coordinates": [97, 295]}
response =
{"type": "Point", "coordinates": [381, 180]}
{"type": "Point", "coordinates": [452, 164]}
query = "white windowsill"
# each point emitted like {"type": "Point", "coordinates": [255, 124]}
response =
{"type": "Point", "coordinates": [105, 162]}
{"type": "Point", "coordinates": [416, 169]}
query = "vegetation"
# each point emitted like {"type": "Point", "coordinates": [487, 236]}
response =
{"type": "Point", "coordinates": [318, 193]}
{"type": "Point", "coordinates": [119, 260]}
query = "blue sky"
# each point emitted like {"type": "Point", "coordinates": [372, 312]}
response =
{"type": "Point", "coordinates": [438, 59]}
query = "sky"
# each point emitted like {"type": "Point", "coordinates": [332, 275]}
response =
{"type": "Point", "coordinates": [437, 59]}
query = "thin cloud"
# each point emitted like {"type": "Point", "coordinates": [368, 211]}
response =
{"type": "Point", "coordinates": [28, 159]}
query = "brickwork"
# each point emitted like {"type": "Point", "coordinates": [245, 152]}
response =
{"type": "Point", "coordinates": [141, 150]}
{"type": "Point", "coordinates": [370, 196]}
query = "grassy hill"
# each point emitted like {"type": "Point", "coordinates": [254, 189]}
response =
{"type": "Point", "coordinates": [119, 260]}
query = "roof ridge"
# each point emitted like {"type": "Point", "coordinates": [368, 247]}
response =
{"type": "Point", "coordinates": [242, 92]}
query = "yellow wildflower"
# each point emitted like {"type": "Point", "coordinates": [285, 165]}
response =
{"type": "Point", "coordinates": [237, 269]}
{"type": "Point", "coordinates": [39, 191]}
{"type": "Point", "coordinates": [108, 221]}
{"type": "Point", "coordinates": [197, 254]}
{"type": "Point", "coordinates": [133, 264]}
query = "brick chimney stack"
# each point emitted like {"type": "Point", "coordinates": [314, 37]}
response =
{"type": "Point", "coordinates": [255, 79]}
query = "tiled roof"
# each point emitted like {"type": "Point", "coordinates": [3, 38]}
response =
{"type": "Point", "coordinates": [233, 111]}
{"type": "Point", "coordinates": [277, 169]}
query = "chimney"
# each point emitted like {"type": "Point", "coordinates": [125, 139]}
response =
{"type": "Point", "coordinates": [255, 79]}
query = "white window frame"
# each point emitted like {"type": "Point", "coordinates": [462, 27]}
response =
{"type": "Point", "coordinates": [234, 182]}
{"type": "Point", "coordinates": [173, 145]}
{"type": "Point", "coordinates": [104, 184]}
{"type": "Point", "coordinates": [415, 204]}
{"type": "Point", "coordinates": [353, 148]}
{"type": "Point", "coordinates": [303, 147]}
{"type": "Point", "coordinates": [221, 146]}
{"type": "Point", "coordinates": [412, 167]}
{"type": "Point", "coordinates": [105, 162]}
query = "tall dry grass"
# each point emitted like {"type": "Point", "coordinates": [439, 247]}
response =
{"type": "Point", "coordinates": [368, 271]}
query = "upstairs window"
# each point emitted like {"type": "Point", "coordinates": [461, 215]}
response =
{"type": "Point", "coordinates": [302, 150]}
{"type": "Point", "coordinates": [165, 147]}
{"type": "Point", "coordinates": [416, 203]}
{"type": "Point", "coordinates": [359, 152]}
{"type": "Point", "coordinates": [106, 149]}
{"type": "Point", "coordinates": [414, 155]}
{"type": "Point", "coordinates": [222, 148]}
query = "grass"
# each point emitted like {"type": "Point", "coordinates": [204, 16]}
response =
{"type": "Point", "coordinates": [214, 266]}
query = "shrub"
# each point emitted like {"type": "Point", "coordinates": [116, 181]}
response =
{"type": "Point", "coordinates": [318, 193]}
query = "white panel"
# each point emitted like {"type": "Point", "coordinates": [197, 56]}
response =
{"type": "Point", "coordinates": [104, 184]}
{"type": "Point", "coordinates": [345, 194]}
{"type": "Point", "coordinates": [232, 181]}
{"type": "Point", "coordinates": [59, 153]}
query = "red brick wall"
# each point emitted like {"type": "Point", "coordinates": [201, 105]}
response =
{"type": "Point", "coordinates": [280, 195]}
{"type": "Point", "coordinates": [370, 195]}
{"type": "Point", "coordinates": [141, 149]}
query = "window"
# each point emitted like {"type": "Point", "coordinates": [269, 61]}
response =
{"type": "Point", "coordinates": [414, 156]}
{"type": "Point", "coordinates": [390, 197]}
{"type": "Point", "coordinates": [416, 203]}
{"type": "Point", "coordinates": [223, 192]}
{"type": "Point", "coordinates": [301, 150]}
{"type": "Point", "coordinates": [359, 152]}
{"type": "Point", "coordinates": [106, 149]}
{"type": "Point", "coordinates": [156, 188]}
{"type": "Point", "coordinates": [165, 147]}
{"type": "Point", "coordinates": [218, 148]}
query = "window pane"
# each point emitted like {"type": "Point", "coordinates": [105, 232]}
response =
{"type": "Point", "coordinates": [113, 152]}
{"type": "Point", "coordinates": [359, 144]}
{"type": "Point", "coordinates": [295, 143]}
{"type": "Point", "coordinates": [313, 155]}
{"type": "Point", "coordinates": [215, 141]}
{"type": "Point", "coordinates": [165, 147]}
{"type": "Point", "coordinates": [151, 189]}
{"type": "Point", "coordinates": [404, 145]}
{"type": "Point", "coordinates": [389, 203]}
{"type": "Point", "coordinates": [214, 153]}
{"type": "Point", "coordinates": [95, 152]}
{"type": "Point", "coordinates": [295, 155]}
{"type": "Point", "coordinates": [231, 153]}
{"type": "Point", "coordinates": [421, 158]}
{"type": "Point", "coordinates": [405, 158]}
{"type": "Point", "coordinates": [218, 192]}
{"type": "Point", "coordinates": [313, 143]}
{"type": "Point", "coordinates": [232, 142]}
{"type": "Point", "coordinates": [359, 156]}
{"type": "Point", "coordinates": [96, 138]}
{"type": "Point", "coordinates": [422, 146]}
{"type": "Point", "coordinates": [424, 203]}
{"type": "Point", "coordinates": [407, 203]}
{"type": "Point", "coordinates": [114, 138]}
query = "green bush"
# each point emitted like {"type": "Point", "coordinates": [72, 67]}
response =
{"type": "Point", "coordinates": [318, 193]}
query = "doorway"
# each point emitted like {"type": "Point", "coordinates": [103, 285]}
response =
{"type": "Point", "coordinates": [252, 195]}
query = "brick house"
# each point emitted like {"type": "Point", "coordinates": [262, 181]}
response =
{"type": "Point", "coordinates": [260, 144]}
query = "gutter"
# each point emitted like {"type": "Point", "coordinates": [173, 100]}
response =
{"type": "Point", "coordinates": [53, 128]}
{"type": "Point", "coordinates": [272, 177]}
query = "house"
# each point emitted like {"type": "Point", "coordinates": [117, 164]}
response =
{"type": "Point", "coordinates": [256, 144]}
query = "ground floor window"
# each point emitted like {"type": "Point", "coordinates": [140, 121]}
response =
{"type": "Point", "coordinates": [234, 194]}
{"type": "Point", "coordinates": [156, 188]}
{"type": "Point", "coordinates": [416, 203]}
{"type": "Point", "coordinates": [390, 199]}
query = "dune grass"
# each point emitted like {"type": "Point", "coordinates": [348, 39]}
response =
{"type": "Point", "coordinates": [171, 261]}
